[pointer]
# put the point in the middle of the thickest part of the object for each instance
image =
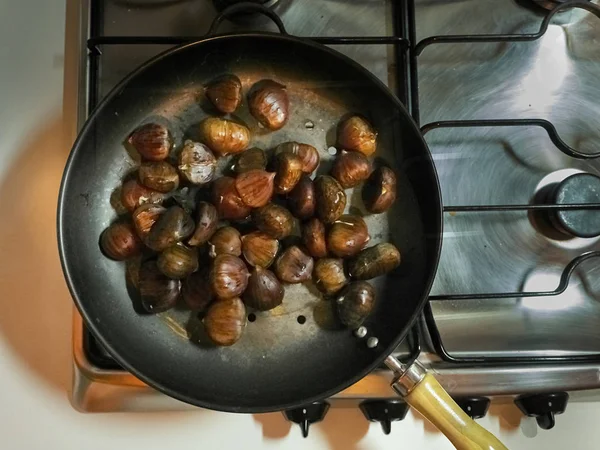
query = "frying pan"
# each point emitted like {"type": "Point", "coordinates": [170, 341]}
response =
{"type": "Point", "coordinates": [279, 363]}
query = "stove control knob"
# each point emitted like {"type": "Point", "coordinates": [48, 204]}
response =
{"type": "Point", "coordinates": [384, 411]}
{"type": "Point", "coordinates": [474, 407]}
{"type": "Point", "coordinates": [307, 415]}
{"type": "Point", "coordinates": [543, 407]}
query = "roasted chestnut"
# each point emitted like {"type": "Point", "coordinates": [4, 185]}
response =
{"type": "Point", "coordinates": [171, 227]}
{"type": "Point", "coordinates": [178, 261]}
{"type": "Point", "coordinates": [308, 154]}
{"type": "Point", "coordinates": [225, 241]}
{"type": "Point", "coordinates": [351, 168]}
{"type": "Point", "coordinates": [331, 198]}
{"type": "Point", "coordinates": [313, 238]}
{"type": "Point", "coordinates": [144, 218]}
{"type": "Point", "coordinates": [120, 241]}
{"type": "Point", "coordinates": [301, 200]}
{"type": "Point", "coordinates": [252, 159]}
{"type": "Point", "coordinates": [379, 192]}
{"type": "Point", "coordinates": [133, 194]}
{"type": "Point", "coordinates": [288, 169]}
{"type": "Point", "coordinates": [274, 220]}
{"type": "Point", "coordinates": [225, 93]}
{"type": "Point", "coordinates": [264, 290]}
{"type": "Point", "coordinates": [157, 291]}
{"type": "Point", "coordinates": [206, 223]}
{"type": "Point", "coordinates": [269, 104]}
{"type": "Point", "coordinates": [255, 187]}
{"type": "Point", "coordinates": [197, 163]}
{"type": "Point", "coordinates": [225, 320]}
{"type": "Point", "coordinates": [355, 303]}
{"type": "Point", "coordinates": [228, 276]}
{"type": "Point", "coordinates": [226, 199]}
{"type": "Point", "coordinates": [152, 141]}
{"type": "Point", "coordinates": [329, 275]}
{"type": "Point", "coordinates": [374, 261]}
{"type": "Point", "coordinates": [259, 249]}
{"type": "Point", "coordinates": [355, 133]}
{"type": "Point", "coordinates": [347, 236]}
{"type": "Point", "coordinates": [196, 291]}
{"type": "Point", "coordinates": [294, 265]}
{"type": "Point", "coordinates": [224, 136]}
{"type": "Point", "coordinates": [160, 176]}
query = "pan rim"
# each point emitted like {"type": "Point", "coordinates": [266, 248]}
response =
{"type": "Point", "coordinates": [67, 268]}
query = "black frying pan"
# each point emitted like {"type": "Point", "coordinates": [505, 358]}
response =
{"type": "Point", "coordinates": [278, 363]}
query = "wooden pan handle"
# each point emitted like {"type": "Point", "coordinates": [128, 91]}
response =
{"type": "Point", "coordinates": [433, 402]}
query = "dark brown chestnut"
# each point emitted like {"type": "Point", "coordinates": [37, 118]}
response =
{"type": "Point", "coordinates": [351, 168]}
{"type": "Point", "coordinates": [347, 236]}
{"type": "Point", "coordinates": [159, 175]}
{"type": "Point", "coordinates": [225, 320]}
{"type": "Point", "coordinates": [228, 202]}
{"type": "Point", "coordinates": [269, 104]}
{"type": "Point", "coordinates": [178, 261]}
{"type": "Point", "coordinates": [255, 187]}
{"type": "Point", "coordinates": [374, 261]}
{"type": "Point", "coordinates": [152, 141]}
{"type": "Point", "coordinates": [294, 265]}
{"type": "Point", "coordinates": [171, 227]}
{"type": "Point", "coordinates": [224, 136]}
{"type": "Point", "coordinates": [252, 159]}
{"type": "Point", "coordinates": [206, 223]}
{"type": "Point", "coordinates": [196, 291]}
{"type": "Point", "coordinates": [228, 276]}
{"type": "Point", "coordinates": [331, 198]}
{"type": "Point", "coordinates": [288, 170]}
{"type": "Point", "coordinates": [264, 290]}
{"type": "Point", "coordinates": [157, 291]}
{"type": "Point", "coordinates": [301, 200]}
{"type": "Point", "coordinates": [120, 241]}
{"type": "Point", "coordinates": [307, 153]}
{"type": "Point", "coordinates": [197, 163]}
{"type": "Point", "coordinates": [134, 194]}
{"type": "Point", "coordinates": [144, 218]}
{"type": "Point", "coordinates": [329, 275]}
{"type": "Point", "coordinates": [259, 249]}
{"type": "Point", "coordinates": [355, 303]}
{"type": "Point", "coordinates": [313, 238]}
{"type": "Point", "coordinates": [355, 133]}
{"type": "Point", "coordinates": [379, 192]}
{"type": "Point", "coordinates": [225, 241]}
{"type": "Point", "coordinates": [225, 93]}
{"type": "Point", "coordinates": [274, 220]}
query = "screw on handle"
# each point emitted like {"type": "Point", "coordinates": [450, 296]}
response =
{"type": "Point", "coordinates": [245, 7]}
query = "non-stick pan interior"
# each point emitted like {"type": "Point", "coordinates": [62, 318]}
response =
{"type": "Point", "coordinates": [279, 362]}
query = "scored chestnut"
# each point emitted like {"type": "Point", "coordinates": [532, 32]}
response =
{"type": "Point", "coordinates": [159, 175]}
{"type": "Point", "coordinates": [264, 290]}
{"type": "Point", "coordinates": [225, 320]}
{"type": "Point", "coordinates": [134, 194]}
{"type": "Point", "coordinates": [351, 168]}
{"type": "Point", "coordinates": [374, 261]}
{"type": "Point", "coordinates": [206, 223]}
{"type": "Point", "coordinates": [225, 241]}
{"type": "Point", "coordinates": [255, 187]}
{"type": "Point", "coordinates": [157, 291]}
{"type": "Point", "coordinates": [120, 241]}
{"type": "Point", "coordinates": [152, 141]}
{"type": "Point", "coordinates": [197, 163]}
{"type": "Point", "coordinates": [301, 200]}
{"type": "Point", "coordinates": [307, 153]}
{"type": "Point", "coordinates": [172, 226]}
{"type": "Point", "coordinates": [196, 291]}
{"type": "Point", "coordinates": [355, 303]}
{"type": "Point", "coordinates": [178, 261]}
{"type": "Point", "coordinates": [228, 276]}
{"type": "Point", "coordinates": [269, 104]}
{"type": "Point", "coordinates": [329, 276]}
{"type": "Point", "coordinates": [224, 136]}
{"type": "Point", "coordinates": [274, 220]}
{"type": "Point", "coordinates": [347, 236]}
{"type": "Point", "coordinates": [331, 198]}
{"type": "Point", "coordinates": [228, 202]}
{"type": "Point", "coordinates": [355, 133]}
{"type": "Point", "coordinates": [288, 170]}
{"type": "Point", "coordinates": [294, 265]}
{"type": "Point", "coordinates": [145, 217]}
{"type": "Point", "coordinates": [259, 249]}
{"type": "Point", "coordinates": [252, 159]}
{"type": "Point", "coordinates": [313, 238]}
{"type": "Point", "coordinates": [379, 192]}
{"type": "Point", "coordinates": [225, 93]}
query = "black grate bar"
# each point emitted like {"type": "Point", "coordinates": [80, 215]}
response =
{"type": "Point", "coordinates": [502, 208]}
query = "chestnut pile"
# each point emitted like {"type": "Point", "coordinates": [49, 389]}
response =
{"type": "Point", "coordinates": [227, 252]}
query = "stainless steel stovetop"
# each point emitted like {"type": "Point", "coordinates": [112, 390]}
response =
{"type": "Point", "coordinates": [488, 347]}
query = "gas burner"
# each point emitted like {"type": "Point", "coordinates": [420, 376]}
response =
{"type": "Point", "coordinates": [550, 4]}
{"type": "Point", "coordinates": [222, 4]}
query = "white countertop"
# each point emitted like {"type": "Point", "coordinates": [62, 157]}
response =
{"type": "Point", "coordinates": [35, 307]}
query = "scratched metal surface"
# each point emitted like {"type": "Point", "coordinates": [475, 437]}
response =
{"type": "Point", "coordinates": [555, 78]}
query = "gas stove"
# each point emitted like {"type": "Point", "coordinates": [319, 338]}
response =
{"type": "Point", "coordinates": [508, 103]}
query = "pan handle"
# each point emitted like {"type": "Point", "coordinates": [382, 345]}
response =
{"type": "Point", "coordinates": [245, 7]}
{"type": "Point", "coordinates": [426, 395]}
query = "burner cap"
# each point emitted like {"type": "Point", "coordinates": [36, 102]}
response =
{"type": "Point", "coordinates": [578, 188]}
{"type": "Point", "coordinates": [222, 4]}
{"type": "Point", "coordinates": [550, 4]}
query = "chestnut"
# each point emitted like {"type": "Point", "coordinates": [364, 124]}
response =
{"type": "Point", "coordinates": [228, 276]}
{"type": "Point", "coordinates": [355, 133]}
{"type": "Point", "coordinates": [120, 241]}
{"type": "Point", "coordinates": [379, 192]}
{"type": "Point", "coordinates": [355, 303]}
{"type": "Point", "coordinates": [309, 156]}
{"type": "Point", "coordinates": [301, 200]}
{"type": "Point", "coordinates": [259, 249]}
{"type": "Point", "coordinates": [144, 218]}
{"type": "Point", "coordinates": [255, 187]}
{"type": "Point", "coordinates": [197, 163]}
{"type": "Point", "coordinates": [294, 265]}
{"type": "Point", "coordinates": [331, 198]}
{"type": "Point", "coordinates": [224, 136]}
{"type": "Point", "coordinates": [347, 236]}
{"type": "Point", "coordinates": [134, 194]}
{"type": "Point", "coordinates": [329, 275]}
{"type": "Point", "coordinates": [264, 290]}
{"type": "Point", "coordinates": [224, 321]}
{"type": "Point", "coordinates": [269, 104]}
{"type": "Point", "coordinates": [159, 175]}
{"type": "Point", "coordinates": [157, 291]}
{"type": "Point", "coordinates": [226, 199]}
{"type": "Point", "coordinates": [374, 261]}
{"type": "Point", "coordinates": [225, 241]}
{"type": "Point", "coordinates": [351, 168]}
{"type": "Point", "coordinates": [196, 291]}
{"type": "Point", "coordinates": [288, 170]}
{"type": "Point", "coordinates": [178, 261]}
{"type": "Point", "coordinates": [206, 223]}
{"type": "Point", "coordinates": [172, 226]}
{"type": "Point", "coordinates": [313, 238]}
{"type": "Point", "coordinates": [225, 93]}
{"type": "Point", "coordinates": [274, 220]}
{"type": "Point", "coordinates": [252, 159]}
{"type": "Point", "coordinates": [152, 141]}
